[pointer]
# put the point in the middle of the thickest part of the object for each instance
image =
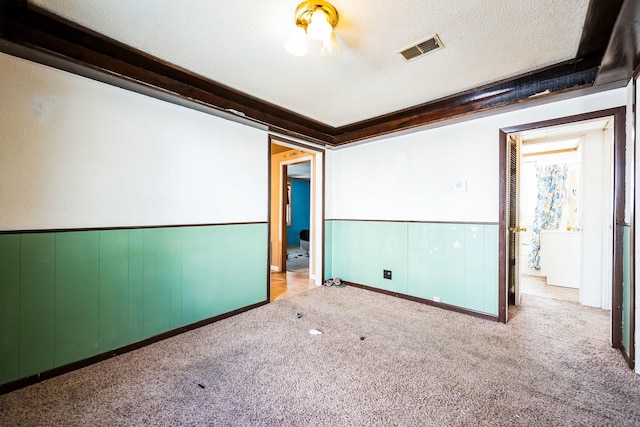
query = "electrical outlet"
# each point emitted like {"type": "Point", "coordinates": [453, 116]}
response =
{"type": "Point", "coordinates": [436, 299]}
{"type": "Point", "coordinates": [386, 274]}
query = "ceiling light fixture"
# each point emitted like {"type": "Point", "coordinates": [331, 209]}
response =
{"type": "Point", "coordinates": [315, 19]}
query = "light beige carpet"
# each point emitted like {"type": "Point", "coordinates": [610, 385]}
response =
{"type": "Point", "coordinates": [416, 366]}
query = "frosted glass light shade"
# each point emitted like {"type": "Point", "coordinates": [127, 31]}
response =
{"type": "Point", "coordinates": [297, 43]}
{"type": "Point", "coordinates": [319, 28]}
{"type": "Point", "coordinates": [331, 47]}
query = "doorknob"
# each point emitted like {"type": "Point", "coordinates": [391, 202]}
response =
{"type": "Point", "coordinates": [517, 229]}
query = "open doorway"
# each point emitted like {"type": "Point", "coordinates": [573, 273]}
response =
{"type": "Point", "coordinates": [588, 220]}
{"type": "Point", "coordinates": [296, 218]}
{"type": "Point", "coordinates": [565, 212]}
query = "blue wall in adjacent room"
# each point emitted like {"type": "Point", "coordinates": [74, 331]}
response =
{"type": "Point", "coordinates": [300, 212]}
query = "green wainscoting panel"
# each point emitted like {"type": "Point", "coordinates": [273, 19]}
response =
{"type": "Point", "coordinates": [490, 283]}
{"type": "Point", "coordinates": [223, 268]}
{"type": "Point", "coordinates": [241, 283]}
{"type": "Point", "coordinates": [425, 260]}
{"type": "Point", "coordinates": [9, 307]}
{"type": "Point", "coordinates": [66, 296]}
{"type": "Point", "coordinates": [37, 284]}
{"type": "Point", "coordinates": [114, 289]}
{"type": "Point", "coordinates": [136, 285]}
{"type": "Point", "coordinates": [455, 262]}
{"type": "Point", "coordinates": [77, 296]}
{"type": "Point", "coordinates": [162, 280]}
{"type": "Point", "coordinates": [199, 297]}
{"type": "Point", "coordinates": [363, 249]}
{"type": "Point", "coordinates": [626, 288]}
{"type": "Point", "coordinates": [476, 282]}
{"type": "Point", "coordinates": [328, 245]}
{"type": "Point", "coordinates": [453, 256]}
{"type": "Point", "coordinates": [458, 263]}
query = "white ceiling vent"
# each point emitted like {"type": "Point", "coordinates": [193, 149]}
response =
{"type": "Point", "coordinates": [417, 50]}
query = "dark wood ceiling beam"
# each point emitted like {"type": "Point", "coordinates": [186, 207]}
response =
{"type": "Point", "coordinates": [620, 61]}
{"type": "Point", "coordinates": [598, 24]}
{"type": "Point", "coordinates": [560, 78]}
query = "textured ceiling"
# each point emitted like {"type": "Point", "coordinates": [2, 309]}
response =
{"type": "Point", "coordinates": [240, 44]}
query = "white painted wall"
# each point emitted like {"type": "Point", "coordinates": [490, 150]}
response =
{"type": "Point", "coordinates": [78, 153]}
{"type": "Point", "coordinates": [410, 177]}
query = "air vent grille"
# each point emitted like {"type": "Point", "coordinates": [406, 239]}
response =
{"type": "Point", "coordinates": [419, 49]}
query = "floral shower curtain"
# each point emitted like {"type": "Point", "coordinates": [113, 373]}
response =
{"type": "Point", "coordinates": [552, 193]}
